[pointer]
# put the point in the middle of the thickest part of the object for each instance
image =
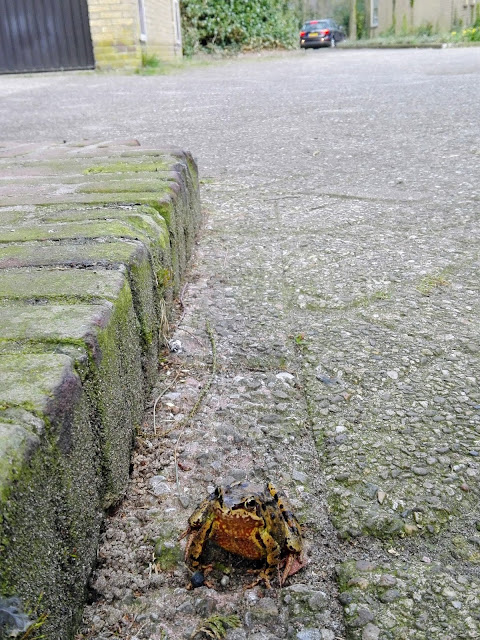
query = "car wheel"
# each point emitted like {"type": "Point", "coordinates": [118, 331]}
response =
{"type": "Point", "coordinates": [333, 42]}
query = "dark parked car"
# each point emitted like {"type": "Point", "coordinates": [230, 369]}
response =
{"type": "Point", "coordinates": [320, 33]}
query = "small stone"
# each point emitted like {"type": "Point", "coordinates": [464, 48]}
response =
{"type": "Point", "coordinates": [238, 474]}
{"type": "Point", "coordinates": [197, 579]}
{"type": "Point", "coordinates": [364, 616]}
{"type": "Point", "coordinates": [387, 580]}
{"type": "Point", "coordinates": [224, 581]}
{"type": "Point", "coordinates": [392, 374]}
{"type": "Point", "coordinates": [464, 487]}
{"type": "Point", "coordinates": [410, 529]}
{"type": "Point", "coordinates": [205, 606]}
{"type": "Point", "coordinates": [235, 634]}
{"type": "Point", "coordinates": [318, 601]}
{"type": "Point", "coordinates": [284, 376]}
{"type": "Point", "coordinates": [365, 565]}
{"type": "Point", "coordinates": [251, 596]}
{"type": "Point", "coordinates": [184, 500]}
{"type": "Point", "coordinates": [389, 596]}
{"type": "Point", "coordinates": [327, 634]}
{"type": "Point", "coordinates": [370, 632]}
{"type": "Point", "coordinates": [381, 495]}
{"type": "Point", "coordinates": [271, 418]}
{"type": "Point", "coordinates": [158, 485]}
{"type": "Point", "coordinates": [420, 471]}
{"type": "Point", "coordinates": [422, 621]}
{"type": "Point", "coordinates": [457, 604]}
{"type": "Point", "coordinates": [298, 589]}
{"type": "Point", "coordinates": [309, 634]}
{"type": "Point", "coordinates": [361, 583]}
{"type": "Point", "coordinates": [265, 608]}
{"type": "Point", "coordinates": [346, 598]}
{"type": "Point", "coordinates": [299, 476]}
{"type": "Point", "coordinates": [426, 559]}
{"type": "Point", "coordinates": [186, 608]}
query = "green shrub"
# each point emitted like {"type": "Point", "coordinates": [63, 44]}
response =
{"type": "Point", "coordinates": [341, 15]}
{"type": "Point", "coordinates": [236, 24]}
{"type": "Point", "coordinates": [362, 28]}
{"type": "Point", "coordinates": [425, 29]}
{"type": "Point", "coordinates": [472, 34]}
{"type": "Point", "coordinates": [469, 34]}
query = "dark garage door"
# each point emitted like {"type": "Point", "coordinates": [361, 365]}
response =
{"type": "Point", "coordinates": [44, 35]}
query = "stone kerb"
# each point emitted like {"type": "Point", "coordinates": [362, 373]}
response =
{"type": "Point", "coordinates": [94, 241]}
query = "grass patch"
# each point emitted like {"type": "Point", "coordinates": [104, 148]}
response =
{"type": "Point", "coordinates": [430, 282]}
{"type": "Point", "coordinates": [421, 37]}
{"type": "Point", "coordinates": [156, 67]}
{"type": "Point", "coordinates": [217, 626]}
{"type": "Point", "coordinates": [365, 301]}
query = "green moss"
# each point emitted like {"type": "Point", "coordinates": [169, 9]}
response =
{"type": "Point", "coordinates": [467, 549]}
{"type": "Point", "coordinates": [116, 388]}
{"type": "Point", "coordinates": [48, 528]}
{"type": "Point", "coordinates": [164, 208]}
{"type": "Point", "coordinates": [168, 554]}
{"type": "Point", "coordinates": [115, 228]}
{"type": "Point", "coordinates": [146, 296]}
{"type": "Point", "coordinates": [61, 284]}
{"type": "Point", "coordinates": [164, 277]}
{"type": "Point", "coordinates": [154, 228]}
{"type": "Point", "coordinates": [128, 167]}
{"type": "Point", "coordinates": [125, 187]}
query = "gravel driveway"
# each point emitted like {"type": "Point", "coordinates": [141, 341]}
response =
{"type": "Point", "coordinates": [339, 271]}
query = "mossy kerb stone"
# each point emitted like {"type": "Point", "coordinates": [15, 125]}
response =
{"type": "Point", "coordinates": [94, 242]}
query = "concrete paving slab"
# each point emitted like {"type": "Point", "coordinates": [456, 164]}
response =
{"type": "Point", "coordinates": [60, 283]}
{"type": "Point", "coordinates": [100, 253]}
{"type": "Point", "coordinates": [74, 322]}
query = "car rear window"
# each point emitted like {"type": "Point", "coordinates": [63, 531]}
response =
{"type": "Point", "coordinates": [315, 26]}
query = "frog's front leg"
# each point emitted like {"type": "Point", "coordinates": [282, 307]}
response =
{"type": "Point", "coordinates": [196, 542]}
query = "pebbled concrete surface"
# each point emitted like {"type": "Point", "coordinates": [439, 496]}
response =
{"type": "Point", "coordinates": [341, 248]}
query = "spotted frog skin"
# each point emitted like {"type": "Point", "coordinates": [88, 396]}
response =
{"type": "Point", "coordinates": [251, 521]}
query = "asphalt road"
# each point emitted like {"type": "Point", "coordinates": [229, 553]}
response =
{"type": "Point", "coordinates": [341, 247]}
{"type": "Point", "coordinates": [371, 117]}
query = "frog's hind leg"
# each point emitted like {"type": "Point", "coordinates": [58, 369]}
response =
{"type": "Point", "coordinates": [293, 564]}
{"type": "Point", "coordinates": [264, 575]}
{"type": "Point", "coordinates": [272, 552]}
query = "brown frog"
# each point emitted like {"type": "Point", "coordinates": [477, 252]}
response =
{"type": "Point", "coordinates": [251, 521]}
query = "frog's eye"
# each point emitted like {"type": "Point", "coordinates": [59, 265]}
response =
{"type": "Point", "coordinates": [251, 503]}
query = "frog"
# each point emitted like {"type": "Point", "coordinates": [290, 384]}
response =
{"type": "Point", "coordinates": [250, 520]}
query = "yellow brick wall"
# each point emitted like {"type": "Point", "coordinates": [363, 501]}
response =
{"type": "Point", "coordinates": [115, 29]}
{"type": "Point", "coordinates": [161, 40]}
{"type": "Point", "coordinates": [441, 14]}
{"type": "Point", "coordinates": [465, 11]}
